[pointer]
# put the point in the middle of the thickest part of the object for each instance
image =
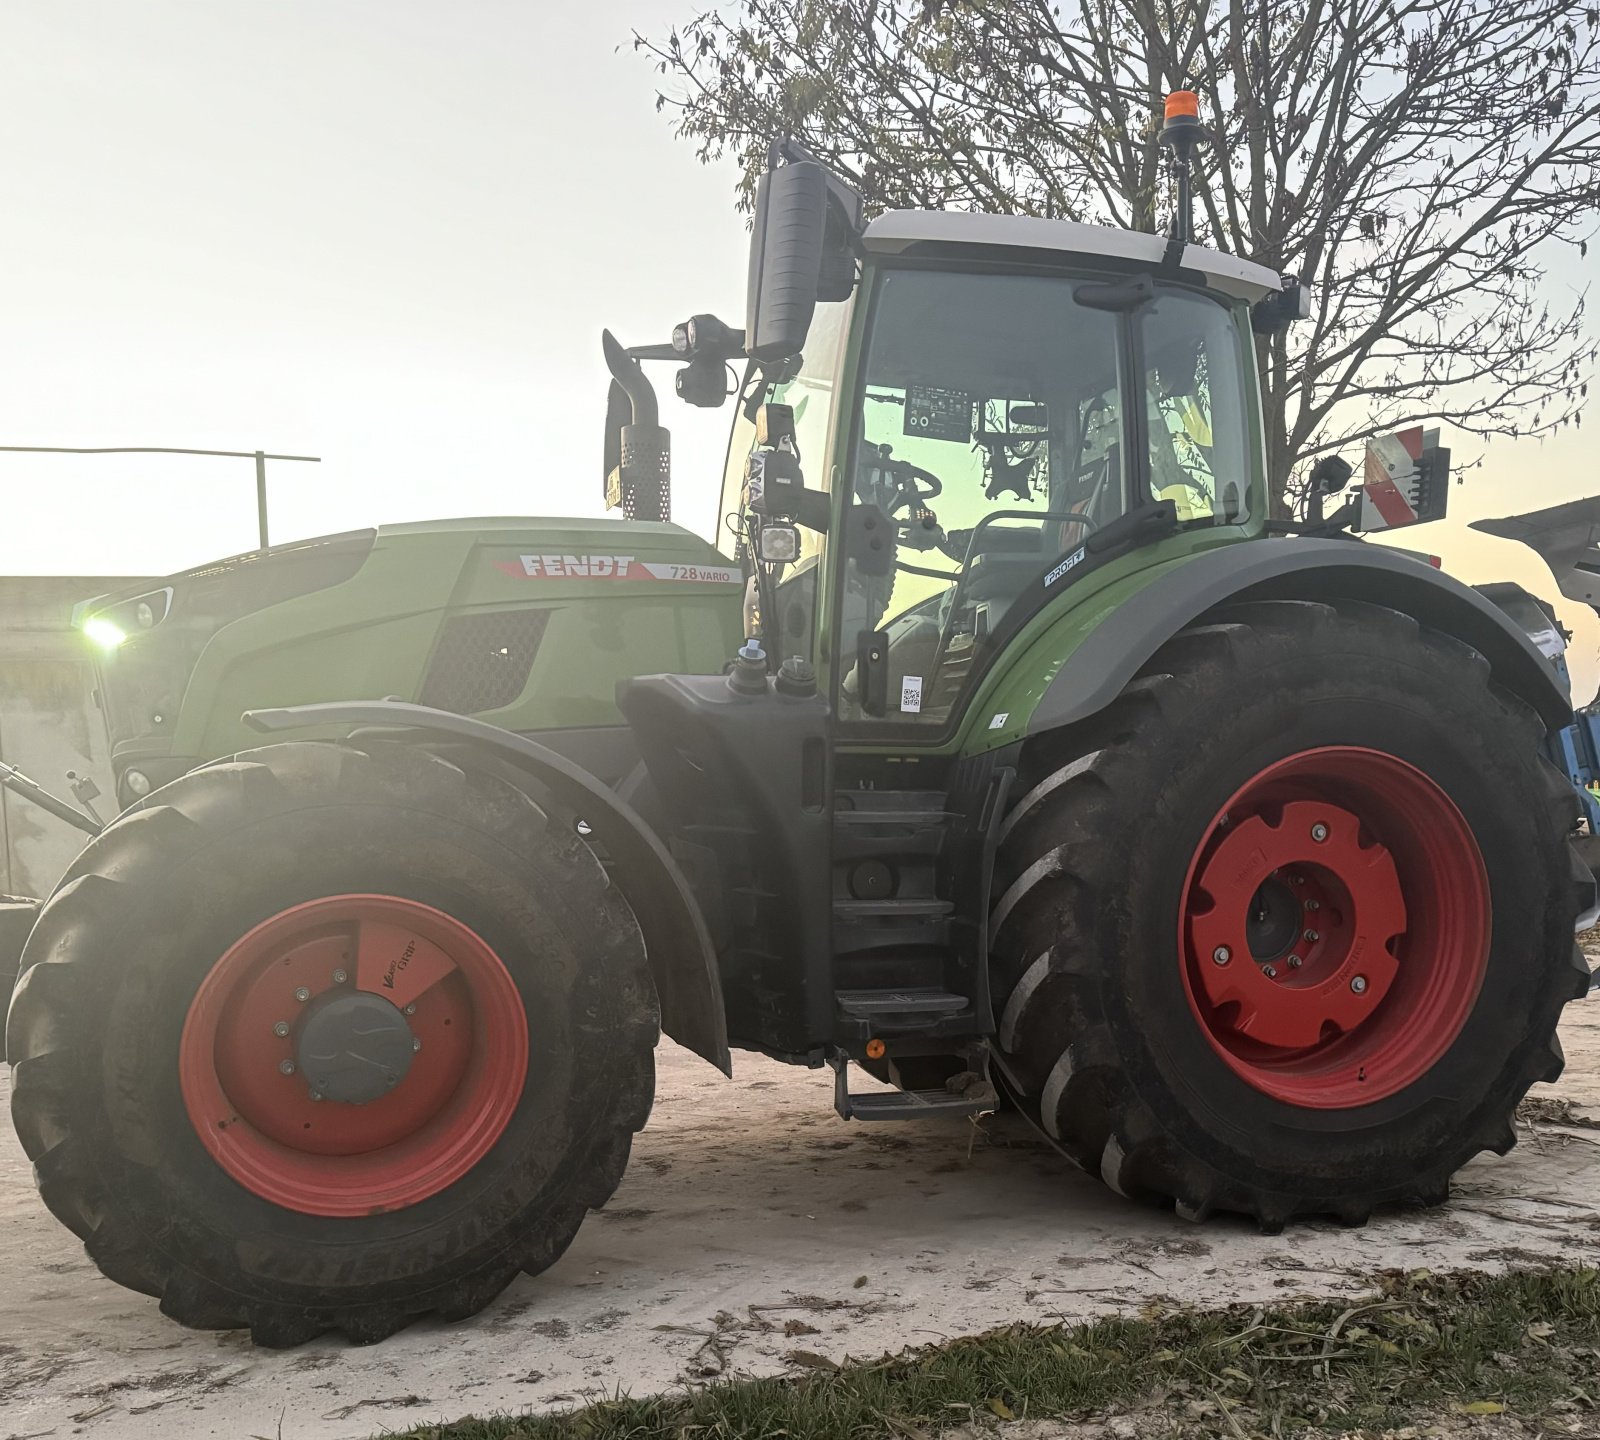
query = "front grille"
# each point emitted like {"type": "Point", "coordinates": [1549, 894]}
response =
{"type": "Point", "coordinates": [483, 661]}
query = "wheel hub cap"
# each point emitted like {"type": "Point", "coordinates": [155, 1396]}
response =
{"type": "Point", "coordinates": [355, 1047]}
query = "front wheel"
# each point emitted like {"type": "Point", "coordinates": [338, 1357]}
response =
{"type": "Point", "coordinates": [1288, 929]}
{"type": "Point", "coordinates": [330, 1038]}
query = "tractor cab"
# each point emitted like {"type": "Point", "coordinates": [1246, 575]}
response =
{"type": "Point", "coordinates": [997, 393]}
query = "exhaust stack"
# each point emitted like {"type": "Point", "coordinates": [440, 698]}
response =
{"type": "Point", "coordinates": [639, 447]}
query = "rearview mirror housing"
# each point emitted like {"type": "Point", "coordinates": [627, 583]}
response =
{"type": "Point", "coordinates": [1278, 312]}
{"type": "Point", "coordinates": [802, 251]}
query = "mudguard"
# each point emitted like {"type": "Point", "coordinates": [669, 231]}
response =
{"type": "Point", "coordinates": [1298, 569]}
{"type": "Point", "coordinates": [677, 943]}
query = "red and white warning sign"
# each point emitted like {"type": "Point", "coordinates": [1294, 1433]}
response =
{"type": "Point", "coordinates": [615, 567]}
{"type": "Point", "coordinates": [1397, 491]}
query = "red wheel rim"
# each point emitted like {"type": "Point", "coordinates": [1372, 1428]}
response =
{"type": "Point", "coordinates": [245, 1084]}
{"type": "Point", "coordinates": [1335, 927]}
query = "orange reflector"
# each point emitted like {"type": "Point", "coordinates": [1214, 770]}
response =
{"type": "Point", "coordinates": [1437, 561]}
{"type": "Point", "coordinates": [875, 1049]}
{"type": "Point", "coordinates": [1183, 102]}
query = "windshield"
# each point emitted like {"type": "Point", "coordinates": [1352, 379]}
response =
{"type": "Point", "coordinates": [1003, 419]}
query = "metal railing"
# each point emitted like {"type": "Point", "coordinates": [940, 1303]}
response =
{"type": "Point", "coordinates": [259, 456]}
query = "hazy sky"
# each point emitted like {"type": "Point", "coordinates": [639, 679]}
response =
{"type": "Point", "coordinates": [385, 232]}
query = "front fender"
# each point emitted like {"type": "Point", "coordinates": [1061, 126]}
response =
{"type": "Point", "coordinates": [682, 960]}
{"type": "Point", "coordinates": [1097, 671]}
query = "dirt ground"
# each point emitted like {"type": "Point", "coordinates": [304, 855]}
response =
{"type": "Point", "coordinates": [754, 1233]}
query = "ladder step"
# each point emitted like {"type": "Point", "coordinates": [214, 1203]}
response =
{"type": "Point", "coordinates": [917, 1104]}
{"type": "Point", "coordinates": [869, 1004]}
{"type": "Point", "coordinates": [977, 1096]}
{"type": "Point", "coordinates": [899, 909]}
{"type": "Point", "coordinates": [851, 819]}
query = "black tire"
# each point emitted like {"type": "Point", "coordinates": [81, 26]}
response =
{"type": "Point", "coordinates": [1097, 1037]}
{"type": "Point", "coordinates": [121, 948]}
{"type": "Point", "coordinates": [17, 915]}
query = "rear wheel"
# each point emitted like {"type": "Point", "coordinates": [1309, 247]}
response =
{"type": "Point", "coordinates": [326, 1037]}
{"type": "Point", "coordinates": [1289, 928]}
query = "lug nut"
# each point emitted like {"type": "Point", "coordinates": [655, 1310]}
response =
{"type": "Point", "coordinates": [315, 1094]}
{"type": "Point", "coordinates": [1359, 984]}
{"type": "Point", "coordinates": [1319, 832]}
{"type": "Point", "coordinates": [302, 994]}
{"type": "Point", "coordinates": [411, 1009]}
{"type": "Point", "coordinates": [1312, 936]}
{"type": "Point", "coordinates": [1222, 955]}
{"type": "Point", "coordinates": [1313, 905]}
{"type": "Point", "coordinates": [281, 1029]}
{"type": "Point", "coordinates": [416, 1044]}
{"type": "Point", "coordinates": [286, 1067]}
{"type": "Point", "coordinates": [1295, 962]}
{"type": "Point", "coordinates": [1270, 971]}
{"type": "Point", "coordinates": [339, 977]}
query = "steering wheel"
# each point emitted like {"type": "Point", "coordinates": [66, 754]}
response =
{"type": "Point", "coordinates": [914, 486]}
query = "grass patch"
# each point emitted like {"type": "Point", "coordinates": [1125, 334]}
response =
{"type": "Point", "coordinates": [1525, 1344]}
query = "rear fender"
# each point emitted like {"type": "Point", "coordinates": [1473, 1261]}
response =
{"type": "Point", "coordinates": [682, 960]}
{"type": "Point", "coordinates": [1097, 671]}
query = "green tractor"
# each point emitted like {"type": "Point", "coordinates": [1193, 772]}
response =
{"type": "Point", "coordinates": [1003, 750]}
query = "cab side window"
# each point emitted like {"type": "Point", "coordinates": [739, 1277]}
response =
{"type": "Point", "coordinates": [1194, 406]}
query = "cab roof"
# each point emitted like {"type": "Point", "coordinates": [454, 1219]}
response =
{"type": "Point", "coordinates": [897, 231]}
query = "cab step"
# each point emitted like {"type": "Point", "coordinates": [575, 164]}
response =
{"type": "Point", "coordinates": [916, 1001]}
{"type": "Point", "coordinates": [976, 1097]}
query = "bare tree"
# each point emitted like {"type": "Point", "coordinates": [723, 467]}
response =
{"type": "Point", "coordinates": [1416, 160]}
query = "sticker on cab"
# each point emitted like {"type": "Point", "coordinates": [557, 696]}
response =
{"type": "Point", "coordinates": [1069, 563]}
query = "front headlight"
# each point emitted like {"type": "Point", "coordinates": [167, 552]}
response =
{"type": "Point", "coordinates": [111, 626]}
{"type": "Point", "coordinates": [107, 634]}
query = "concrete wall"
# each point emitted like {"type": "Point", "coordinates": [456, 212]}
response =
{"type": "Point", "coordinates": [48, 721]}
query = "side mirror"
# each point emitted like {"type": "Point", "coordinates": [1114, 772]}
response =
{"type": "Point", "coordinates": [1328, 477]}
{"type": "Point", "coordinates": [802, 250]}
{"type": "Point", "coordinates": [1278, 312]}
